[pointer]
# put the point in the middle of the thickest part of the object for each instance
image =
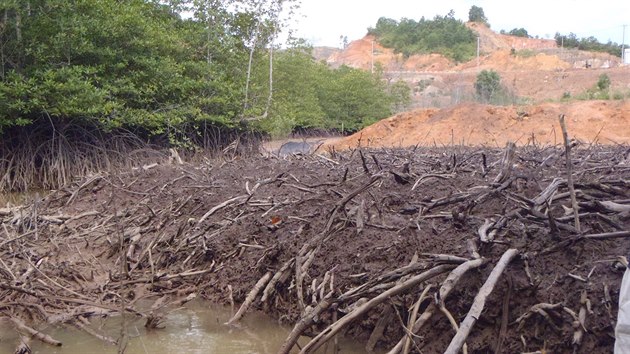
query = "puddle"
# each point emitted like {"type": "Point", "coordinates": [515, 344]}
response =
{"type": "Point", "coordinates": [195, 329]}
{"type": "Point", "coordinates": [18, 198]}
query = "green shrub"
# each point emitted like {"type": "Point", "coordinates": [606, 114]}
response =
{"type": "Point", "coordinates": [443, 35]}
{"type": "Point", "coordinates": [525, 53]}
{"type": "Point", "coordinates": [475, 14]}
{"type": "Point", "coordinates": [488, 85]}
{"type": "Point", "coordinates": [603, 83]}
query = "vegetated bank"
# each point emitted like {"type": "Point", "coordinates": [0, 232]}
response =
{"type": "Point", "coordinates": [85, 83]}
{"type": "Point", "coordinates": [364, 242]}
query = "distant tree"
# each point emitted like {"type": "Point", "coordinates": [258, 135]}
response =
{"type": "Point", "coordinates": [488, 85]}
{"type": "Point", "coordinates": [519, 32]}
{"type": "Point", "coordinates": [589, 44]}
{"type": "Point", "coordinates": [401, 95]}
{"type": "Point", "coordinates": [343, 41]}
{"type": "Point", "coordinates": [603, 83]}
{"type": "Point", "coordinates": [442, 34]}
{"type": "Point", "coordinates": [475, 14]}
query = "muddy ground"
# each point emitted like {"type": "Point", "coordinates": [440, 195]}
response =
{"type": "Point", "coordinates": [334, 235]}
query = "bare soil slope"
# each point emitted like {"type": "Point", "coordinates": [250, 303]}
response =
{"type": "Point", "coordinates": [606, 122]}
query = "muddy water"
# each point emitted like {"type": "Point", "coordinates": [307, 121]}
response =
{"type": "Point", "coordinates": [17, 198]}
{"type": "Point", "coordinates": [195, 329]}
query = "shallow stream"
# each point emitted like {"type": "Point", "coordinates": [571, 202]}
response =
{"type": "Point", "coordinates": [195, 329]}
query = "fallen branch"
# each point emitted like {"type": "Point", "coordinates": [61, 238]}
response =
{"type": "Point", "coordinates": [334, 328]}
{"type": "Point", "coordinates": [23, 328]}
{"type": "Point", "coordinates": [447, 286]}
{"type": "Point", "coordinates": [305, 322]}
{"type": "Point", "coordinates": [479, 302]}
{"type": "Point", "coordinates": [250, 298]}
{"type": "Point", "coordinates": [412, 318]}
{"type": "Point", "coordinates": [220, 206]}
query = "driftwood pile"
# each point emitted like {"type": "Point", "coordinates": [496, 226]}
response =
{"type": "Point", "coordinates": [418, 250]}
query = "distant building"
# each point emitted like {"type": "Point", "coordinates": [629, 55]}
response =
{"type": "Point", "coordinates": [626, 56]}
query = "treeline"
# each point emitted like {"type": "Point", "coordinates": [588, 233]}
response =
{"type": "Point", "coordinates": [517, 32]}
{"type": "Point", "coordinates": [310, 95]}
{"type": "Point", "coordinates": [588, 43]}
{"type": "Point", "coordinates": [443, 34]}
{"type": "Point", "coordinates": [138, 65]}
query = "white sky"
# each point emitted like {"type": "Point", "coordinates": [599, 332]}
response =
{"type": "Point", "coordinates": [322, 22]}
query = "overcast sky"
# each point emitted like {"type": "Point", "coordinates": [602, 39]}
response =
{"type": "Point", "coordinates": [322, 22]}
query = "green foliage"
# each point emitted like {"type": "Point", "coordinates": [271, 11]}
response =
{"type": "Point", "coordinates": [113, 64]}
{"type": "Point", "coordinates": [601, 90]}
{"type": "Point", "coordinates": [603, 82]}
{"type": "Point", "coordinates": [137, 65]}
{"type": "Point", "coordinates": [401, 95]}
{"type": "Point", "coordinates": [475, 14]}
{"type": "Point", "coordinates": [488, 84]}
{"type": "Point", "coordinates": [488, 89]}
{"type": "Point", "coordinates": [444, 35]}
{"type": "Point", "coordinates": [308, 94]}
{"type": "Point", "coordinates": [589, 44]}
{"type": "Point", "coordinates": [517, 32]}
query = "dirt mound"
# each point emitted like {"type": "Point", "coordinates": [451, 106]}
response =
{"type": "Point", "coordinates": [354, 236]}
{"type": "Point", "coordinates": [491, 41]}
{"type": "Point", "coordinates": [607, 122]}
{"type": "Point", "coordinates": [504, 60]}
{"type": "Point", "coordinates": [365, 51]}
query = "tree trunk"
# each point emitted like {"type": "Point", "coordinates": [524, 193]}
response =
{"type": "Point", "coordinates": [249, 69]}
{"type": "Point", "coordinates": [270, 97]}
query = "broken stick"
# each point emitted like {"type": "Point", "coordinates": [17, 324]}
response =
{"type": "Point", "coordinates": [478, 304]}
{"type": "Point", "coordinates": [250, 298]}
{"type": "Point", "coordinates": [567, 147]}
{"type": "Point", "coordinates": [334, 328]}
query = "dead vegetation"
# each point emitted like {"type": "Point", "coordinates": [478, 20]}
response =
{"type": "Point", "coordinates": [395, 247]}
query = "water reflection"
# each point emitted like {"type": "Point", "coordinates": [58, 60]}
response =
{"type": "Point", "coordinates": [195, 329]}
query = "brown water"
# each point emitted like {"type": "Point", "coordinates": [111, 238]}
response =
{"type": "Point", "coordinates": [195, 329]}
{"type": "Point", "coordinates": [18, 198]}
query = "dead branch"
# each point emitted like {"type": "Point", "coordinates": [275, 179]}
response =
{"type": "Point", "coordinates": [334, 328]}
{"type": "Point", "coordinates": [567, 147]}
{"type": "Point", "coordinates": [221, 206]}
{"type": "Point", "coordinates": [309, 317]}
{"type": "Point", "coordinates": [379, 328]}
{"type": "Point", "coordinates": [83, 325]}
{"type": "Point", "coordinates": [413, 316]}
{"type": "Point", "coordinates": [479, 302]}
{"type": "Point", "coordinates": [23, 328]}
{"type": "Point", "coordinates": [24, 346]}
{"type": "Point", "coordinates": [507, 161]}
{"type": "Point", "coordinates": [250, 298]}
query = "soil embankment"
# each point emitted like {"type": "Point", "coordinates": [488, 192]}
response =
{"type": "Point", "coordinates": [354, 235]}
{"type": "Point", "coordinates": [605, 122]}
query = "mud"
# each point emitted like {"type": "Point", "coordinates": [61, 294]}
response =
{"type": "Point", "coordinates": [166, 233]}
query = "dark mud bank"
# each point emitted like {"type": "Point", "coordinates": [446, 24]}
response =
{"type": "Point", "coordinates": [365, 243]}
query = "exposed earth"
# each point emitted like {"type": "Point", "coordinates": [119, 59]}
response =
{"type": "Point", "coordinates": [315, 239]}
{"type": "Point", "coordinates": [537, 74]}
{"type": "Point", "coordinates": [603, 122]}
